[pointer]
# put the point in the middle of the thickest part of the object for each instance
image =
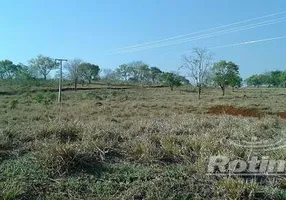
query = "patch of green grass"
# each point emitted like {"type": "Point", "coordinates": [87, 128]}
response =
{"type": "Point", "coordinates": [19, 175]}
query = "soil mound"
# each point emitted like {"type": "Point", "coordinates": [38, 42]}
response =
{"type": "Point", "coordinates": [282, 115]}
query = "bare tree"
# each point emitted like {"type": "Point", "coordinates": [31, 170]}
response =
{"type": "Point", "coordinates": [42, 65]}
{"type": "Point", "coordinates": [198, 64]}
{"type": "Point", "coordinates": [73, 71]}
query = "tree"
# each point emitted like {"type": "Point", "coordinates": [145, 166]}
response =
{"type": "Point", "coordinates": [276, 78]}
{"type": "Point", "coordinates": [89, 71]}
{"type": "Point", "coordinates": [8, 70]}
{"type": "Point", "coordinates": [23, 72]}
{"type": "Point", "coordinates": [258, 80]}
{"type": "Point", "coordinates": [73, 71]}
{"type": "Point", "coordinates": [109, 75]}
{"type": "Point", "coordinates": [143, 72]}
{"type": "Point", "coordinates": [198, 64]}
{"type": "Point", "coordinates": [136, 71]}
{"type": "Point", "coordinates": [155, 74]}
{"type": "Point", "coordinates": [234, 78]}
{"type": "Point", "coordinates": [42, 65]}
{"type": "Point", "coordinates": [183, 80]}
{"type": "Point", "coordinates": [283, 79]}
{"type": "Point", "coordinates": [254, 80]}
{"type": "Point", "coordinates": [226, 73]}
{"type": "Point", "coordinates": [235, 81]}
{"type": "Point", "coordinates": [171, 80]}
{"type": "Point", "coordinates": [123, 72]}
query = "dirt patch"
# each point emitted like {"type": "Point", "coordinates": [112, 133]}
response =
{"type": "Point", "coordinates": [245, 112]}
{"type": "Point", "coordinates": [230, 110]}
{"type": "Point", "coordinates": [282, 115]}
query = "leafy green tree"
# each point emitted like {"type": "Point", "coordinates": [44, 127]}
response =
{"type": "Point", "coordinates": [266, 79]}
{"type": "Point", "coordinates": [4, 66]}
{"type": "Point", "coordinates": [255, 80]}
{"type": "Point", "coordinates": [226, 73]}
{"type": "Point", "coordinates": [183, 80]}
{"type": "Point", "coordinates": [42, 66]}
{"type": "Point", "coordinates": [283, 78]}
{"type": "Point", "coordinates": [171, 80]}
{"type": "Point", "coordinates": [155, 74]}
{"type": "Point", "coordinates": [252, 81]}
{"type": "Point", "coordinates": [8, 70]}
{"type": "Point", "coordinates": [89, 71]}
{"type": "Point", "coordinates": [276, 78]}
{"type": "Point", "coordinates": [235, 81]}
{"type": "Point", "coordinates": [23, 73]}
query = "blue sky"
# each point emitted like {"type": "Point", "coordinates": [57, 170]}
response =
{"type": "Point", "coordinates": [84, 29]}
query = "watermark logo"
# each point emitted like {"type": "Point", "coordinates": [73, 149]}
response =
{"type": "Point", "coordinates": [222, 165]}
{"type": "Point", "coordinates": [254, 144]}
{"type": "Point", "coordinates": [254, 165]}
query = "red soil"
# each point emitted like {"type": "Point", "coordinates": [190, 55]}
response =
{"type": "Point", "coordinates": [282, 115]}
{"type": "Point", "coordinates": [245, 112]}
{"type": "Point", "coordinates": [230, 110]}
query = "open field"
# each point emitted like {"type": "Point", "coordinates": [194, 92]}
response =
{"type": "Point", "coordinates": [135, 143]}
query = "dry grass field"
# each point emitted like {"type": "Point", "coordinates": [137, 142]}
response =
{"type": "Point", "coordinates": [135, 143]}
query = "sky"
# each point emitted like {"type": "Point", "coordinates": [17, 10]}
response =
{"type": "Point", "coordinates": [87, 29]}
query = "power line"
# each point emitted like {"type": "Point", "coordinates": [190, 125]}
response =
{"type": "Point", "coordinates": [209, 35]}
{"type": "Point", "coordinates": [248, 42]}
{"type": "Point", "coordinates": [179, 36]}
{"type": "Point", "coordinates": [184, 35]}
{"type": "Point", "coordinates": [244, 43]}
{"type": "Point", "coordinates": [218, 33]}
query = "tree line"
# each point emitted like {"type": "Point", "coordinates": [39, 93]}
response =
{"type": "Point", "coordinates": [40, 68]}
{"type": "Point", "coordinates": [198, 67]}
{"type": "Point", "coordinates": [275, 78]}
{"type": "Point", "coordinates": [138, 72]}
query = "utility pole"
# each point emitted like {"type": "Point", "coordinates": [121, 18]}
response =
{"type": "Point", "coordinates": [61, 77]}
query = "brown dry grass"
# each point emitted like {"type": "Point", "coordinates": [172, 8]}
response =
{"type": "Point", "coordinates": [143, 143]}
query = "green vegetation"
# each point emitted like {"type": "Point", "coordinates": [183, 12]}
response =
{"type": "Point", "coordinates": [89, 71]}
{"type": "Point", "coordinates": [271, 79]}
{"type": "Point", "coordinates": [226, 74]}
{"type": "Point", "coordinates": [171, 80]}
